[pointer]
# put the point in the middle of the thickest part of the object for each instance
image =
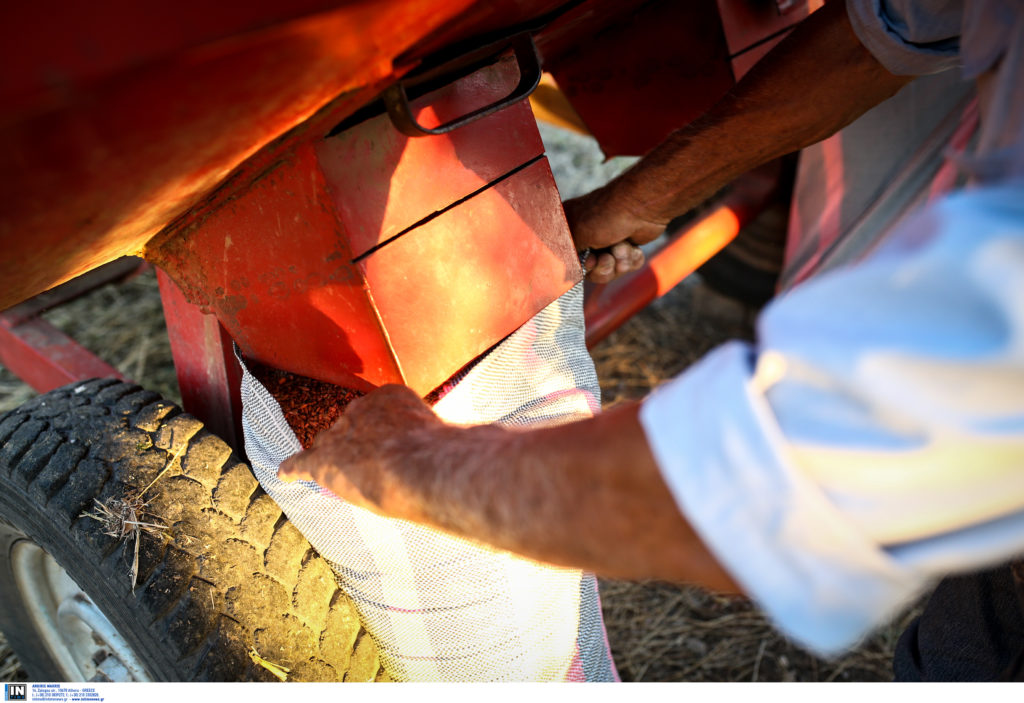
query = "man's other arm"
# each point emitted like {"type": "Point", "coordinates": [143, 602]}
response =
{"type": "Point", "coordinates": [817, 81]}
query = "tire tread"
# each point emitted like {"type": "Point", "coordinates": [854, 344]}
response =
{"type": "Point", "coordinates": [230, 572]}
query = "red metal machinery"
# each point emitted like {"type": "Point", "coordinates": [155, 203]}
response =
{"type": "Point", "coordinates": [244, 152]}
{"type": "Point", "coordinates": [403, 278]}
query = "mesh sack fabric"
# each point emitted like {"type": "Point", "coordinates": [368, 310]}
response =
{"type": "Point", "coordinates": [441, 608]}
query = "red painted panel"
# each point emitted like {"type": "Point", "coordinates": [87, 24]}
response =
{"type": "Point", "coordinates": [275, 266]}
{"type": "Point", "coordinates": [209, 376]}
{"type": "Point", "coordinates": [426, 174]}
{"type": "Point", "coordinates": [637, 79]}
{"type": "Point", "coordinates": [449, 290]}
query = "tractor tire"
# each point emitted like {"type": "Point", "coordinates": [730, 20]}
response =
{"type": "Point", "coordinates": [226, 588]}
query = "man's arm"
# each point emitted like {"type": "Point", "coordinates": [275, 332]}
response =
{"type": "Point", "coordinates": [872, 441]}
{"type": "Point", "coordinates": [587, 495]}
{"type": "Point", "coordinates": [817, 81]}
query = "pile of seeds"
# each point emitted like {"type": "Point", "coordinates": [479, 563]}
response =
{"type": "Point", "coordinates": [310, 406]}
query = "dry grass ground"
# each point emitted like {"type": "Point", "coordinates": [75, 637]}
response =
{"type": "Point", "coordinates": [659, 632]}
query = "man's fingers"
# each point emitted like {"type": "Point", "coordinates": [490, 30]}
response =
{"type": "Point", "coordinates": [604, 268]}
{"type": "Point", "coordinates": [638, 258]}
{"type": "Point", "coordinates": [621, 250]}
{"type": "Point", "coordinates": [605, 264]}
{"type": "Point", "coordinates": [627, 257]}
{"type": "Point", "coordinates": [617, 260]}
{"type": "Point", "coordinates": [295, 468]}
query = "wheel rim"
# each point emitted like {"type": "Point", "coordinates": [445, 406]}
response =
{"type": "Point", "coordinates": [81, 640]}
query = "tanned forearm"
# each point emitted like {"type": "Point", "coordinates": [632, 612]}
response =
{"type": "Point", "coordinates": [587, 495]}
{"type": "Point", "coordinates": [818, 80]}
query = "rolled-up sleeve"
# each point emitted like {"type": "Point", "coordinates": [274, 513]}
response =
{"type": "Point", "coordinates": [909, 37]}
{"type": "Point", "coordinates": [873, 440]}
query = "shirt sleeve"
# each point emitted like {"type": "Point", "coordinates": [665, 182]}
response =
{"type": "Point", "coordinates": [909, 37]}
{"type": "Point", "coordinates": [873, 440]}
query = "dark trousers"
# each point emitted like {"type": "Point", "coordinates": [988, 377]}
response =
{"type": "Point", "coordinates": [971, 630]}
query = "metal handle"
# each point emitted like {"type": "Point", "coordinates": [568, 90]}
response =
{"type": "Point", "coordinates": [397, 102]}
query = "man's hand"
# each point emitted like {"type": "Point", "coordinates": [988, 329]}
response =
{"type": "Point", "coordinates": [611, 231]}
{"type": "Point", "coordinates": [363, 456]}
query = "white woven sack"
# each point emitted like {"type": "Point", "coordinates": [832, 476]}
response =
{"type": "Point", "coordinates": [441, 608]}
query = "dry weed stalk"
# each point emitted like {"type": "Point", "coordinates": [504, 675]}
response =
{"type": "Point", "coordinates": [9, 665]}
{"type": "Point", "coordinates": [121, 519]}
{"type": "Point", "coordinates": [167, 467]}
{"type": "Point", "coordinates": [281, 672]}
